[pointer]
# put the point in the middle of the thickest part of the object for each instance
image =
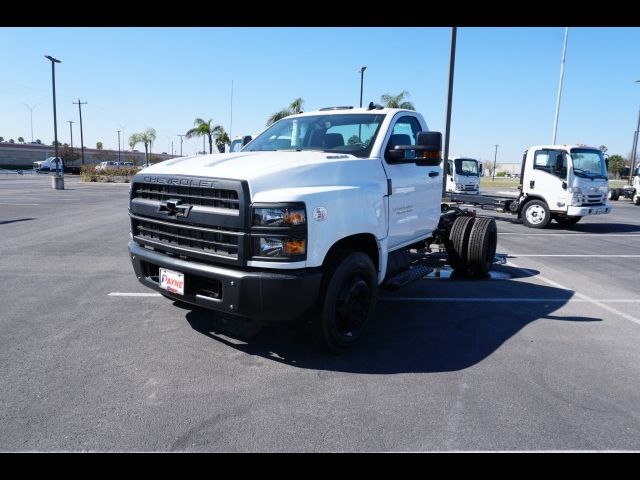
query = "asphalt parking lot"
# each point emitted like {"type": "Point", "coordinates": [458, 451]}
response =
{"type": "Point", "coordinates": [544, 358]}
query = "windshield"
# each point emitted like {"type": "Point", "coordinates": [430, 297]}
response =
{"type": "Point", "coordinates": [352, 134]}
{"type": "Point", "coordinates": [467, 167]}
{"type": "Point", "coordinates": [588, 163]}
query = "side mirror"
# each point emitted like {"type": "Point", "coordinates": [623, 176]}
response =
{"type": "Point", "coordinates": [428, 149]}
{"type": "Point", "coordinates": [395, 155]}
{"type": "Point", "coordinates": [480, 169]}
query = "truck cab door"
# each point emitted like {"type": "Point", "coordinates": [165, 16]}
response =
{"type": "Point", "coordinates": [415, 191]}
{"type": "Point", "coordinates": [546, 176]}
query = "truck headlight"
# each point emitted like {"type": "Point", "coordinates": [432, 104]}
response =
{"type": "Point", "coordinates": [289, 216]}
{"type": "Point", "coordinates": [576, 200]}
{"type": "Point", "coordinates": [279, 247]}
{"type": "Point", "coordinates": [574, 190]}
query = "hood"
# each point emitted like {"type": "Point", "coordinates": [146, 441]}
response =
{"type": "Point", "coordinates": [269, 170]}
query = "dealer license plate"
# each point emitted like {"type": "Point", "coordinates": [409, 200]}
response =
{"type": "Point", "coordinates": [172, 281]}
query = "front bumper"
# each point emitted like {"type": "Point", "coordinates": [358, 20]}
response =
{"type": "Point", "coordinates": [261, 295]}
{"type": "Point", "coordinates": [589, 210]}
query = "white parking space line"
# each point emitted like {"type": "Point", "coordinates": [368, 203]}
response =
{"type": "Point", "coordinates": [580, 296]}
{"type": "Point", "coordinates": [22, 204]}
{"type": "Point", "coordinates": [507, 299]}
{"type": "Point", "coordinates": [131, 294]}
{"type": "Point", "coordinates": [572, 234]}
{"type": "Point", "coordinates": [572, 255]}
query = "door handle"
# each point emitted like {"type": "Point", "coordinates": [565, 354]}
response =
{"type": "Point", "coordinates": [434, 174]}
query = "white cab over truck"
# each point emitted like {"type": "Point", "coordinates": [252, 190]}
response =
{"type": "Point", "coordinates": [463, 175]}
{"type": "Point", "coordinates": [308, 221]}
{"type": "Point", "coordinates": [631, 192]}
{"type": "Point", "coordinates": [558, 182]}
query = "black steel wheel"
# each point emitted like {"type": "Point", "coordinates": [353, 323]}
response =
{"type": "Point", "coordinates": [349, 302]}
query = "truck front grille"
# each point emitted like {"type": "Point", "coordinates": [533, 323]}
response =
{"type": "Point", "coordinates": [191, 217]}
{"type": "Point", "coordinates": [593, 199]}
{"type": "Point", "coordinates": [202, 196]}
{"type": "Point", "coordinates": [187, 238]}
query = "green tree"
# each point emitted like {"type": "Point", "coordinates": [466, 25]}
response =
{"type": "Point", "coordinates": [147, 138]}
{"type": "Point", "coordinates": [616, 164]}
{"type": "Point", "coordinates": [603, 148]}
{"type": "Point", "coordinates": [68, 154]}
{"type": "Point", "coordinates": [396, 101]}
{"type": "Point", "coordinates": [38, 141]}
{"type": "Point", "coordinates": [203, 128]}
{"type": "Point", "coordinates": [294, 108]}
{"type": "Point", "coordinates": [1, 139]}
{"type": "Point", "coordinates": [20, 140]}
{"type": "Point", "coordinates": [11, 140]}
{"type": "Point", "coordinates": [221, 139]}
{"type": "Point", "coordinates": [99, 145]}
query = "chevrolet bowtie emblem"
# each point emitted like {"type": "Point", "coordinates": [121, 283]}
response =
{"type": "Point", "coordinates": [173, 206]}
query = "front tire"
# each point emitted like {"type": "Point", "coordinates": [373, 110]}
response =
{"type": "Point", "coordinates": [613, 194]}
{"type": "Point", "coordinates": [636, 198]}
{"type": "Point", "coordinates": [535, 214]}
{"type": "Point", "coordinates": [349, 302]}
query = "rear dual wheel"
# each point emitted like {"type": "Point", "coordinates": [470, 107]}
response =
{"type": "Point", "coordinates": [472, 245]}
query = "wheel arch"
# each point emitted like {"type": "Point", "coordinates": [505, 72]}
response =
{"type": "Point", "coordinates": [528, 199]}
{"type": "Point", "coordinates": [360, 242]}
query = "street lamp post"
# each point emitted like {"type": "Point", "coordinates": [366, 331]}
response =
{"type": "Point", "coordinates": [362, 69]}
{"type": "Point", "coordinates": [71, 122]}
{"type": "Point", "coordinates": [635, 147]}
{"type": "Point", "coordinates": [180, 143]}
{"type": "Point", "coordinates": [564, 56]}
{"type": "Point", "coordinates": [118, 145]}
{"type": "Point", "coordinates": [31, 117]}
{"type": "Point", "coordinates": [58, 182]}
{"type": "Point", "coordinates": [495, 157]}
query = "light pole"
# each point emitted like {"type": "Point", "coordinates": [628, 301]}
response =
{"type": "Point", "coordinates": [55, 120]}
{"type": "Point", "coordinates": [635, 147]}
{"type": "Point", "coordinates": [452, 62]}
{"type": "Point", "coordinates": [79, 103]}
{"type": "Point", "coordinates": [31, 115]}
{"type": "Point", "coordinates": [180, 143]}
{"type": "Point", "coordinates": [71, 122]}
{"type": "Point", "coordinates": [564, 55]}
{"type": "Point", "coordinates": [493, 177]}
{"type": "Point", "coordinates": [118, 145]}
{"type": "Point", "coordinates": [362, 69]}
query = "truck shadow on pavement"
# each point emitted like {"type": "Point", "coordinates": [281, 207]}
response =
{"type": "Point", "coordinates": [413, 332]}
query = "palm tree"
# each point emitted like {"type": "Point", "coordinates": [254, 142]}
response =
{"type": "Point", "coordinates": [147, 137]}
{"type": "Point", "coordinates": [221, 139]}
{"type": "Point", "coordinates": [294, 108]}
{"type": "Point", "coordinates": [203, 128]}
{"type": "Point", "coordinates": [396, 101]}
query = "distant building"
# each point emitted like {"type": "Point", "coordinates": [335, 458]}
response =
{"type": "Point", "coordinates": [24, 154]}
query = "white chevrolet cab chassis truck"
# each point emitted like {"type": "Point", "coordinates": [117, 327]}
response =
{"type": "Point", "coordinates": [557, 182]}
{"type": "Point", "coordinates": [308, 221]}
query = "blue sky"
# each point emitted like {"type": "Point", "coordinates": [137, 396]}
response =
{"type": "Point", "coordinates": [506, 81]}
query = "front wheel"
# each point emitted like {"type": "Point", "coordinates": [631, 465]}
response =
{"type": "Point", "coordinates": [568, 221]}
{"type": "Point", "coordinates": [636, 198]}
{"type": "Point", "coordinates": [613, 194]}
{"type": "Point", "coordinates": [349, 302]}
{"type": "Point", "coordinates": [535, 214]}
